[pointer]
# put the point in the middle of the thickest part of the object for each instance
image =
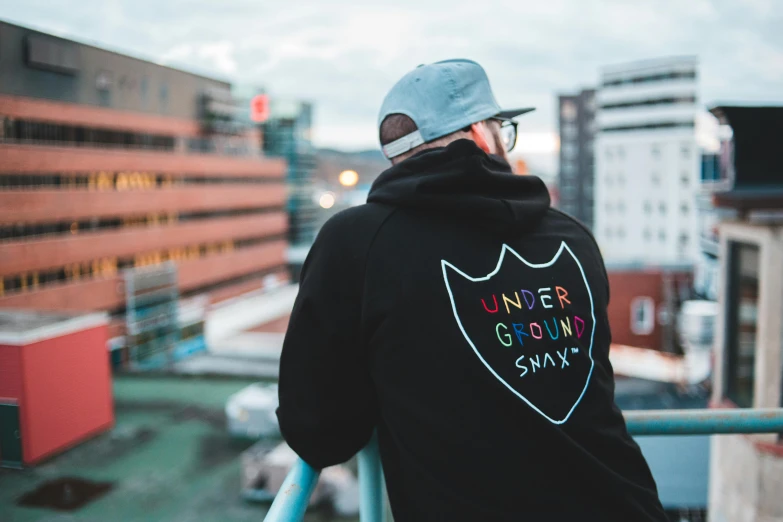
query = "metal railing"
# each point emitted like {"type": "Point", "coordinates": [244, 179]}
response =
{"type": "Point", "coordinates": [291, 502]}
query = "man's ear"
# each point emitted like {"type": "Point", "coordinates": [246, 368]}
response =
{"type": "Point", "coordinates": [477, 134]}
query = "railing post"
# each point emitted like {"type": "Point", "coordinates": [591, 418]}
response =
{"type": "Point", "coordinates": [293, 498]}
{"type": "Point", "coordinates": [370, 483]}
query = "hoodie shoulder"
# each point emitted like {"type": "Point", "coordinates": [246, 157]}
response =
{"type": "Point", "coordinates": [353, 229]}
{"type": "Point", "coordinates": [593, 242]}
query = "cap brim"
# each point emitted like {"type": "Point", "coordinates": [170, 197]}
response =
{"type": "Point", "coordinates": [510, 114]}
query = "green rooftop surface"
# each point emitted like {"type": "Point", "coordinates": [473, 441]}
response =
{"type": "Point", "coordinates": [169, 457]}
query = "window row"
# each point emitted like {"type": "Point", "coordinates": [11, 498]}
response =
{"type": "Point", "coordinates": [649, 126]}
{"type": "Point", "coordinates": [647, 234]}
{"type": "Point", "coordinates": [655, 178]}
{"type": "Point", "coordinates": [105, 267]}
{"type": "Point", "coordinates": [119, 181]}
{"type": "Point", "coordinates": [74, 135]}
{"type": "Point", "coordinates": [23, 231]}
{"type": "Point", "coordinates": [672, 100]}
{"type": "Point", "coordinates": [618, 151]}
{"type": "Point", "coordinates": [109, 267]}
{"type": "Point", "coordinates": [619, 207]}
{"type": "Point", "coordinates": [651, 78]}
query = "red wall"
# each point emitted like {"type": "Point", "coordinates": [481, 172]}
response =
{"type": "Point", "coordinates": [67, 392]}
{"type": "Point", "coordinates": [624, 287]}
{"type": "Point", "coordinates": [10, 372]}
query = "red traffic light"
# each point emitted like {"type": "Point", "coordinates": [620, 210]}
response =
{"type": "Point", "coordinates": [259, 108]}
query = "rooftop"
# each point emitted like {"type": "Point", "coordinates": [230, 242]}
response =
{"type": "Point", "coordinates": [169, 458]}
{"type": "Point", "coordinates": [652, 65]}
{"type": "Point", "coordinates": [189, 70]}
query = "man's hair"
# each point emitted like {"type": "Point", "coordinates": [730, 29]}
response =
{"type": "Point", "coordinates": [395, 126]}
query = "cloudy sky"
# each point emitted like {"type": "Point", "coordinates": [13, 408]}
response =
{"type": "Point", "coordinates": [344, 54]}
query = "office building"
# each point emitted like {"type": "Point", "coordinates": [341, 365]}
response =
{"type": "Point", "coordinates": [746, 475]}
{"type": "Point", "coordinates": [287, 135]}
{"type": "Point", "coordinates": [647, 161]}
{"type": "Point", "coordinates": [575, 175]}
{"type": "Point", "coordinates": [108, 163]}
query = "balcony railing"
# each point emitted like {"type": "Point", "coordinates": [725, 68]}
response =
{"type": "Point", "coordinates": [292, 500]}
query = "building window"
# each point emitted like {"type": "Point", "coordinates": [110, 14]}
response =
{"type": "Point", "coordinates": [684, 178]}
{"type": "Point", "coordinates": [647, 234]}
{"type": "Point", "coordinates": [569, 191]}
{"type": "Point", "coordinates": [647, 207]}
{"type": "Point", "coordinates": [684, 208]}
{"type": "Point", "coordinates": [609, 154]}
{"type": "Point", "coordinates": [656, 178]}
{"type": "Point", "coordinates": [655, 150]}
{"type": "Point", "coordinates": [662, 208]}
{"type": "Point", "coordinates": [569, 150]}
{"type": "Point", "coordinates": [620, 152]}
{"type": "Point", "coordinates": [71, 135]}
{"type": "Point", "coordinates": [621, 232]}
{"type": "Point", "coordinates": [621, 207]}
{"type": "Point", "coordinates": [568, 131]}
{"type": "Point", "coordinates": [661, 235]}
{"type": "Point", "coordinates": [590, 102]}
{"type": "Point", "coordinates": [568, 111]}
{"type": "Point", "coordinates": [642, 315]}
{"type": "Point", "coordinates": [685, 150]}
{"type": "Point", "coordinates": [742, 316]}
{"type": "Point", "coordinates": [620, 179]}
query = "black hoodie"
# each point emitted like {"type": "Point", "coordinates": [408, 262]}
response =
{"type": "Point", "coordinates": [465, 320]}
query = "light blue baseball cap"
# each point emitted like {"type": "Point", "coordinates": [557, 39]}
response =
{"type": "Point", "coordinates": [441, 98]}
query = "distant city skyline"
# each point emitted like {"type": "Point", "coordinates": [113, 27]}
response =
{"type": "Point", "coordinates": [344, 57]}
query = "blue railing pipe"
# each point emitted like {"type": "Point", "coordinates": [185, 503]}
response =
{"type": "Point", "coordinates": [370, 483]}
{"type": "Point", "coordinates": [291, 503]}
{"type": "Point", "coordinates": [704, 422]}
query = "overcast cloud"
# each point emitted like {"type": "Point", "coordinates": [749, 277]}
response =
{"type": "Point", "coordinates": [344, 55]}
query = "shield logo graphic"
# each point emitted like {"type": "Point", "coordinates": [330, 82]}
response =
{"type": "Point", "coordinates": [531, 325]}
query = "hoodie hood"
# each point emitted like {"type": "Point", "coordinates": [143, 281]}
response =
{"type": "Point", "coordinates": [462, 179]}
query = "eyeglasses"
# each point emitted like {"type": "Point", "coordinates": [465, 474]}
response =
{"type": "Point", "coordinates": [508, 133]}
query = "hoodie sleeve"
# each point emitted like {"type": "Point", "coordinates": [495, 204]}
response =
{"type": "Point", "coordinates": [327, 406]}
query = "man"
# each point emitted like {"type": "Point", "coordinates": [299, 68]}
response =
{"type": "Point", "coordinates": [464, 319]}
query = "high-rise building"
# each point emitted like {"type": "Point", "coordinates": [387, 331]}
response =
{"type": "Point", "coordinates": [647, 161]}
{"type": "Point", "coordinates": [288, 135]}
{"type": "Point", "coordinates": [575, 175]}
{"type": "Point", "coordinates": [108, 162]}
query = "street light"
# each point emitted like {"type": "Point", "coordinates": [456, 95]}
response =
{"type": "Point", "coordinates": [348, 178]}
{"type": "Point", "coordinates": [326, 200]}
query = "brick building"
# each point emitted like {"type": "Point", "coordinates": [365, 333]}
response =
{"type": "Point", "coordinates": [644, 303]}
{"type": "Point", "coordinates": [108, 162]}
